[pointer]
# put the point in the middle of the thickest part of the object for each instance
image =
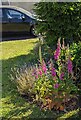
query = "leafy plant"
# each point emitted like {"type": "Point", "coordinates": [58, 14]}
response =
{"type": "Point", "coordinates": [54, 82]}
{"type": "Point", "coordinates": [59, 19]}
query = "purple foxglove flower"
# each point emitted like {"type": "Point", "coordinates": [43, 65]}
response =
{"type": "Point", "coordinates": [35, 73]}
{"type": "Point", "coordinates": [62, 76]}
{"type": "Point", "coordinates": [56, 85]}
{"type": "Point", "coordinates": [40, 72]}
{"type": "Point", "coordinates": [36, 76]}
{"type": "Point", "coordinates": [44, 68]}
{"type": "Point", "coordinates": [69, 66]}
{"type": "Point", "coordinates": [57, 52]}
{"type": "Point", "coordinates": [53, 72]}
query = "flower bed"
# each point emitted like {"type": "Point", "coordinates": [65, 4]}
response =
{"type": "Point", "coordinates": [50, 84]}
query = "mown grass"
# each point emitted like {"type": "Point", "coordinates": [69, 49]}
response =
{"type": "Point", "coordinates": [15, 54]}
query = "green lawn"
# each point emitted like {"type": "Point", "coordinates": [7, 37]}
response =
{"type": "Point", "coordinates": [15, 54]}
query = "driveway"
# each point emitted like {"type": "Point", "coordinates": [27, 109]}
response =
{"type": "Point", "coordinates": [16, 37]}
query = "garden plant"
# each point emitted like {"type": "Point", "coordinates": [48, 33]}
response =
{"type": "Point", "coordinates": [50, 84]}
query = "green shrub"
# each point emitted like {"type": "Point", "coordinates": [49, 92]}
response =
{"type": "Point", "coordinates": [59, 19]}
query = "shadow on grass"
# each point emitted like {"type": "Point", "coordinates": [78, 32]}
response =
{"type": "Point", "coordinates": [15, 62]}
{"type": "Point", "coordinates": [11, 100]}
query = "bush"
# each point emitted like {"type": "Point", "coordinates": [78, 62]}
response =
{"type": "Point", "coordinates": [59, 19]}
{"type": "Point", "coordinates": [51, 83]}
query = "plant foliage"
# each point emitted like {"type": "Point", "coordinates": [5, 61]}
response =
{"type": "Point", "coordinates": [59, 19]}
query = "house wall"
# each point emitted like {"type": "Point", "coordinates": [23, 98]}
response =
{"type": "Point", "coordinates": [26, 5]}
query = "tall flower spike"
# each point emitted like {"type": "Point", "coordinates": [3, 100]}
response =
{"type": "Point", "coordinates": [69, 65]}
{"type": "Point", "coordinates": [57, 52]}
{"type": "Point", "coordinates": [52, 69]}
{"type": "Point", "coordinates": [62, 76]}
{"type": "Point", "coordinates": [35, 73]}
{"type": "Point", "coordinates": [40, 72]}
{"type": "Point", "coordinates": [63, 44]}
{"type": "Point", "coordinates": [44, 68]}
{"type": "Point", "coordinates": [53, 72]}
{"type": "Point", "coordinates": [58, 44]}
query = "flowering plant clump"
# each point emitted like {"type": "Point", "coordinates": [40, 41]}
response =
{"type": "Point", "coordinates": [54, 81]}
{"type": "Point", "coordinates": [50, 84]}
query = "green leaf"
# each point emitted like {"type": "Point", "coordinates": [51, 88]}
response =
{"type": "Point", "coordinates": [71, 8]}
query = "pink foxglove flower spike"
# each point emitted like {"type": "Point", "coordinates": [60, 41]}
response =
{"type": "Point", "coordinates": [57, 52]}
{"type": "Point", "coordinates": [44, 68]}
{"type": "Point", "coordinates": [53, 72]}
{"type": "Point", "coordinates": [70, 66]}
{"type": "Point", "coordinates": [62, 76]}
{"type": "Point", "coordinates": [56, 85]}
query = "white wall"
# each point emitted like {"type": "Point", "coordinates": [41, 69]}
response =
{"type": "Point", "coordinates": [0, 2]}
{"type": "Point", "coordinates": [26, 5]}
